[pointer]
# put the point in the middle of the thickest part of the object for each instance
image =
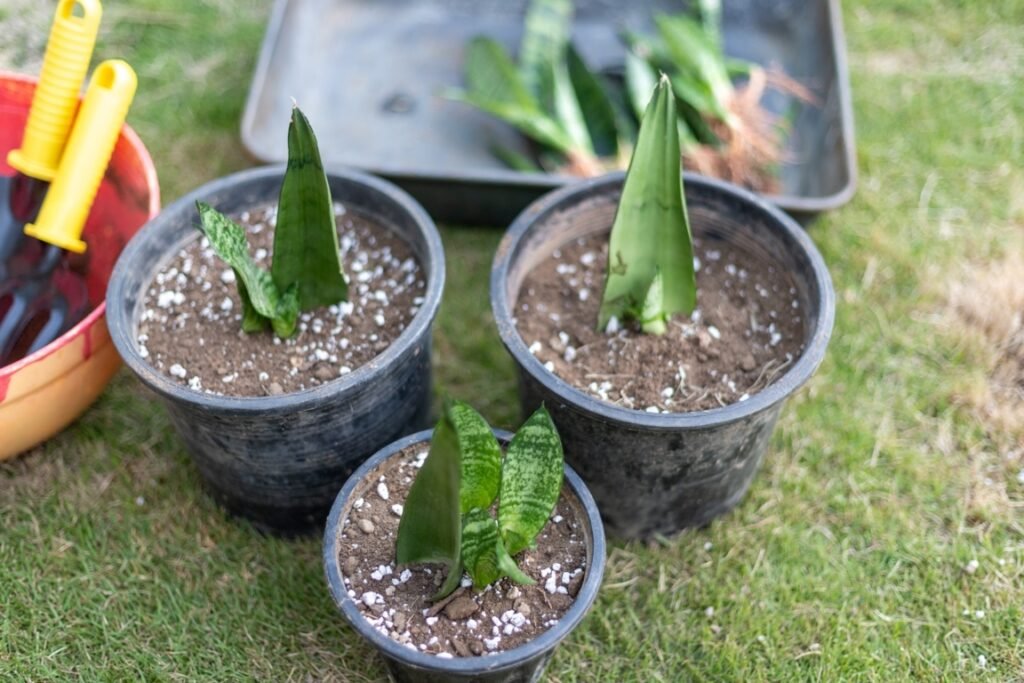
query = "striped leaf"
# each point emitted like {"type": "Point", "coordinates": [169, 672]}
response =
{"type": "Point", "coordinates": [306, 237]}
{"type": "Point", "coordinates": [596, 105]}
{"type": "Point", "coordinates": [695, 54]}
{"type": "Point", "coordinates": [531, 481]}
{"type": "Point", "coordinates": [431, 527]}
{"type": "Point", "coordinates": [480, 456]}
{"type": "Point", "coordinates": [261, 299]}
{"type": "Point", "coordinates": [479, 543]}
{"type": "Point", "coordinates": [546, 31]}
{"type": "Point", "coordinates": [651, 232]}
{"type": "Point", "coordinates": [496, 86]}
{"type": "Point", "coordinates": [483, 553]}
{"type": "Point", "coordinates": [492, 76]}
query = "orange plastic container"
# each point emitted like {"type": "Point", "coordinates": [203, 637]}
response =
{"type": "Point", "coordinates": [43, 393]}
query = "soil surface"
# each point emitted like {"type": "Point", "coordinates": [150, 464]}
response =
{"type": "Point", "coordinates": [395, 600]}
{"type": "Point", "coordinates": [747, 329]}
{"type": "Point", "coordinates": [191, 321]}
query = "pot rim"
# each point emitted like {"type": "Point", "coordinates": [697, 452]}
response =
{"type": "Point", "coordinates": [97, 312]}
{"type": "Point", "coordinates": [788, 231]}
{"type": "Point", "coordinates": [121, 321]}
{"type": "Point", "coordinates": [461, 665]}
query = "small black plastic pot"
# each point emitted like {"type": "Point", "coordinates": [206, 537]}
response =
{"type": "Point", "coordinates": [524, 664]}
{"type": "Point", "coordinates": [654, 474]}
{"type": "Point", "coordinates": [278, 460]}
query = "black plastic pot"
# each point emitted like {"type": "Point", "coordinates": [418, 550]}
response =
{"type": "Point", "coordinates": [278, 460]}
{"type": "Point", "coordinates": [523, 664]}
{"type": "Point", "coordinates": [658, 473]}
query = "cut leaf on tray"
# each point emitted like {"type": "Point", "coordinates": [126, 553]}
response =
{"type": "Point", "coordinates": [546, 31]}
{"type": "Point", "coordinates": [551, 96]}
{"type": "Point", "coordinates": [596, 105]}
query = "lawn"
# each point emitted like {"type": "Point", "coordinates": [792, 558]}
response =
{"type": "Point", "coordinates": [883, 539]}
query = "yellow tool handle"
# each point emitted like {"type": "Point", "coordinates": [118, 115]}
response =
{"type": "Point", "coordinates": [65, 63]}
{"type": "Point", "coordinates": [71, 194]}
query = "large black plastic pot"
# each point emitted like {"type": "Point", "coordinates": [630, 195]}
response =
{"type": "Point", "coordinates": [658, 473]}
{"type": "Point", "coordinates": [278, 460]}
{"type": "Point", "coordinates": [523, 664]}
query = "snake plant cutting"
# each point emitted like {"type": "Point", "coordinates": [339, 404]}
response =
{"type": "Point", "coordinates": [306, 271]}
{"type": "Point", "coordinates": [585, 125]}
{"type": "Point", "coordinates": [447, 516]}
{"type": "Point", "coordinates": [551, 96]}
{"type": "Point", "coordinates": [650, 272]}
{"type": "Point", "coordinates": [724, 129]}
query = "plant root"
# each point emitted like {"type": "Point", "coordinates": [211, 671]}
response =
{"type": "Point", "coordinates": [750, 148]}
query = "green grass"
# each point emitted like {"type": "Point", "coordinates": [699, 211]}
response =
{"type": "Point", "coordinates": [845, 561]}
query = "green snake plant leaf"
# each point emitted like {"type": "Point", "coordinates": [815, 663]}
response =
{"type": "Point", "coordinates": [516, 160]}
{"type": "Point", "coordinates": [696, 94]}
{"type": "Point", "coordinates": [641, 79]}
{"type": "Point", "coordinates": [546, 30]}
{"type": "Point", "coordinates": [492, 76]}
{"type": "Point", "coordinates": [696, 125]}
{"type": "Point", "coordinates": [252, 321]}
{"type": "Point", "coordinates": [568, 111]}
{"type": "Point", "coordinates": [495, 86]}
{"type": "Point", "coordinates": [542, 65]}
{"type": "Point", "coordinates": [479, 547]}
{"type": "Point", "coordinates": [596, 105]}
{"type": "Point", "coordinates": [430, 529]}
{"type": "Point", "coordinates": [531, 481]}
{"type": "Point", "coordinates": [306, 236]}
{"type": "Point", "coordinates": [710, 12]}
{"type": "Point", "coordinates": [653, 319]}
{"type": "Point", "coordinates": [651, 232]}
{"type": "Point", "coordinates": [287, 318]}
{"type": "Point", "coordinates": [509, 568]}
{"type": "Point", "coordinates": [484, 555]}
{"type": "Point", "coordinates": [530, 121]}
{"type": "Point", "coordinates": [261, 299]}
{"type": "Point", "coordinates": [693, 52]}
{"type": "Point", "coordinates": [480, 457]}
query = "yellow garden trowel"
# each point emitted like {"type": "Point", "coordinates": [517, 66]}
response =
{"type": "Point", "coordinates": [40, 296]}
{"type": "Point", "coordinates": [66, 61]}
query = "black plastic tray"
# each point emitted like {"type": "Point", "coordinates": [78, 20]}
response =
{"type": "Point", "coordinates": [368, 72]}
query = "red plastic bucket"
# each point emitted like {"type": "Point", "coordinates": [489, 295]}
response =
{"type": "Point", "coordinates": [43, 393]}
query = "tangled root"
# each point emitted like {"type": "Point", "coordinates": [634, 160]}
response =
{"type": "Point", "coordinates": [751, 142]}
{"type": "Point", "coordinates": [750, 150]}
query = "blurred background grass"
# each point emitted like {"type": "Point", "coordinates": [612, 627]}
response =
{"type": "Point", "coordinates": [883, 540]}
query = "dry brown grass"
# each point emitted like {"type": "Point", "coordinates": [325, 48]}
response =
{"type": "Point", "coordinates": [987, 305]}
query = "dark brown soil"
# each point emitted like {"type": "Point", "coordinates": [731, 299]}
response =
{"type": "Point", "coordinates": [395, 600]}
{"type": "Point", "coordinates": [746, 330]}
{"type": "Point", "coordinates": [191, 321]}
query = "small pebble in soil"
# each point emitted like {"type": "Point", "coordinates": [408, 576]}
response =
{"type": "Point", "coordinates": [190, 322]}
{"type": "Point", "coordinates": [743, 335]}
{"type": "Point", "coordinates": [469, 622]}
